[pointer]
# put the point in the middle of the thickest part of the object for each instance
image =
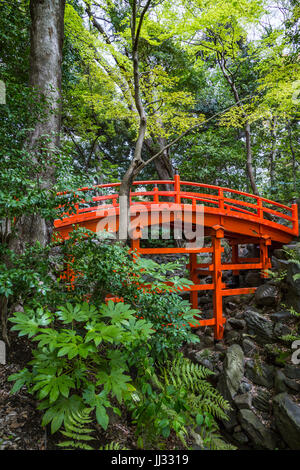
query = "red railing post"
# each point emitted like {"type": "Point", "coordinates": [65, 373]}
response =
{"type": "Point", "coordinates": [155, 196]}
{"type": "Point", "coordinates": [217, 281]}
{"type": "Point", "coordinates": [221, 199]}
{"type": "Point", "coordinates": [295, 219]}
{"type": "Point", "coordinates": [177, 187]}
{"type": "Point", "coordinates": [260, 212]}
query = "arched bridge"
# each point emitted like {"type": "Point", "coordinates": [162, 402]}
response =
{"type": "Point", "coordinates": [229, 214]}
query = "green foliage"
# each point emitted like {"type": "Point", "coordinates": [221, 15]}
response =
{"type": "Point", "coordinates": [294, 257]}
{"type": "Point", "coordinates": [76, 430]}
{"type": "Point", "coordinates": [276, 276]}
{"type": "Point", "coordinates": [25, 274]}
{"type": "Point", "coordinates": [202, 396]}
{"type": "Point", "coordinates": [278, 354]}
{"type": "Point", "coordinates": [112, 446]}
{"type": "Point", "coordinates": [84, 349]}
{"type": "Point", "coordinates": [179, 399]}
{"type": "Point", "coordinates": [102, 268]}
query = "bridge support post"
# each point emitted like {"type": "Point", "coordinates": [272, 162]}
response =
{"type": "Point", "coordinates": [194, 278]}
{"type": "Point", "coordinates": [217, 281]}
{"type": "Point", "coordinates": [264, 242]}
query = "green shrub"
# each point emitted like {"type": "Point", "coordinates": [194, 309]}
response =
{"type": "Point", "coordinates": [179, 398]}
{"type": "Point", "coordinates": [82, 358]}
{"type": "Point", "coordinates": [102, 267]}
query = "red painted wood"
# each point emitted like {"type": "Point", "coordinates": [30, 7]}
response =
{"type": "Point", "coordinates": [230, 217]}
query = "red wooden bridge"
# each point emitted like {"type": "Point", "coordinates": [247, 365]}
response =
{"type": "Point", "coordinates": [229, 214]}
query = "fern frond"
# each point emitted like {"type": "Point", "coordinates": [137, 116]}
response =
{"type": "Point", "coordinates": [202, 396]}
{"type": "Point", "coordinates": [112, 446]}
{"type": "Point", "coordinates": [214, 441]}
{"type": "Point", "coordinates": [75, 428]}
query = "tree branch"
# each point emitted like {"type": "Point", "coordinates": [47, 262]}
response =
{"type": "Point", "coordinates": [138, 32]}
{"type": "Point", "coordinates": [188, 131]}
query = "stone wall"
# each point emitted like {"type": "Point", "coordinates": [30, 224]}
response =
{"type": "Point", "coordinates": [254, 372]}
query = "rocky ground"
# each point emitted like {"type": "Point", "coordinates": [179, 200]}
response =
{"type": "Point", "coordinates": [253, 363]}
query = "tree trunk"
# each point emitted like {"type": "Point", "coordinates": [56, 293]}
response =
{"type": "Point", "coordinates": [47, 30]}
{"type": "Point", "coordinates": [273, 152]}
{"type": "Point", "coordinates": [163, 164]}
{"type": "Point", "coordinates": [249, 159]}
{"type": "Point", "coordinates": [293, 157]}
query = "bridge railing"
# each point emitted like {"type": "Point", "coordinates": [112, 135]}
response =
{"type": "Point", "coordinates": [216, 199]}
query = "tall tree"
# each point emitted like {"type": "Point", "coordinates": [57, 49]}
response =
{"type": "Point", "coordinates": [46, 42]}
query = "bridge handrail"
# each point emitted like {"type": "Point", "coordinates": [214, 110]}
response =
{"type": "Point", "coordinates": [224, 204]}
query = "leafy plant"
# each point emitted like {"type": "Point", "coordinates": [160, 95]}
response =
{"type": "Point", "coordinates": [82, 349]}
{"type": "Point", "coordinates": [75, 429]}
{"type": "Point", "coordinates": [100, 268]}
{"type": "Point", "coordinates": [277, 354]}
{"type": "Point", "coordinates": [112, 446]}
{"type": "Point", "coordinates": [179, 399]}
{"type": "Point", "coordinates": [276, 276]}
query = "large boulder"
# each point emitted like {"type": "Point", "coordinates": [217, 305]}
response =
{"type": "Point", "coordinates": [260, 374]}
{"type": "Point", "coordinates": [240, 437]}
{"type": "Point", "coordinates": [287, 419]}
{"type": "Point", "coordinates": [233, 369]}
{"type": "Point", "coordinates": [236, 324]}
{"type": "Point", "coordinates": [243, 401]}
{"type": "Point", "coordinates": [232, 337]}
{"type": "Point", "coordinates": [279, 264]}
{"type": "Point", "coordinates": [230, 379]}
{"type": "Point", "coordinates": [281, 316]}
{"type": "Point", "coordinates": [259, 326]}
{"type": "Point", "coordinates": [262, 400]}
{"type": "Point", "coordinates": [249, 347]}
{"type": "Point", "coordinates": [293, 295]}
{"type": "Point", "coordinates": [267, 295]}
{"type": "Point", "coordinates": [257, 432]}
{"type": "Point", "coordinates": [280, 382]}
{"type": "Point", "coordinates": [292, 371]}
{"type": "Point", "coordinates": [253, 279]}
{"type": "Point", "coordinates": [264, 329]}
{"type": "Point", "coordinates": [279, 253]}
{"type": "Point", "coordinates": [280, 329]}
